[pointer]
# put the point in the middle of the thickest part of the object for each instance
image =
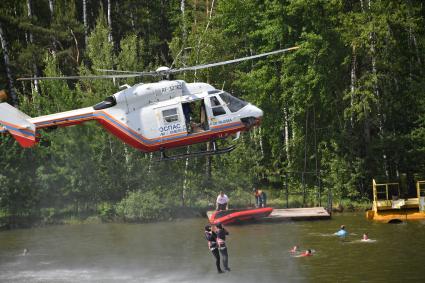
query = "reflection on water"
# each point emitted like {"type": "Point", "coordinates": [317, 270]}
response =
{"type": "Point", "coordinates": [177, 252]}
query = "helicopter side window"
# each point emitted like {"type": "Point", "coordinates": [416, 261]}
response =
{"type": "Point", "coordinates": [108, 102]}
{"type": "Point", "coordinates": [170, 115]}
{"type": "Point", "coordinates": [216, 107]}
{"type": "Point", "coordinates": [234, 104]}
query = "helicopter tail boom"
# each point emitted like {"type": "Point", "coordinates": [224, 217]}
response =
{"type": "Point", "coordinates": [16, 123]}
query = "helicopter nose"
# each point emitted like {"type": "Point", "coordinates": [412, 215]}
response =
{"type": "Point", "coordinates": [253, 116]}
{"type": "Point", "coordinates": [257, 112]}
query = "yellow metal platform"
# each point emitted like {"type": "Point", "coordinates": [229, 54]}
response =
{"type": "Point", "coordinates": [391, 216]}
{"type": "Point", "coordinates": [389, 207]}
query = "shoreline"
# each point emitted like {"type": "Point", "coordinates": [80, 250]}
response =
{"type": "Point", "coordinates": [32, 221]}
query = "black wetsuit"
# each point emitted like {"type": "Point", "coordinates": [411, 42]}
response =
{"type": "Point", "coordinates": [212, 240]}
{"type": "Point", "coordinates": [221, 241]}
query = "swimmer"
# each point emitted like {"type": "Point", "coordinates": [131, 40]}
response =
{"type": "Point", "coordinates": [294, 250]}
{"type": "Point", "coordinates": [342, 232]}
{"type": "Point", "coordinates": [306, 253]}
{"type": "Point", "coordinates": [25, 252]}
{"type": "Point", "coordinates": [366, 238]}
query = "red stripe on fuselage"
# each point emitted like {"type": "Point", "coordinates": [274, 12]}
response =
{"type": "Point", "coordinates": [135, 139]}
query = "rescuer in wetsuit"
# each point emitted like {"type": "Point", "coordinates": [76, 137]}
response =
{"type": "Point", "coordinates": [221, 241]}
{"type": "Point", "coordinates": [211, 237]}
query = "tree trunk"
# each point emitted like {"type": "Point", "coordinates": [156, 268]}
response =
{"type": "Point", "coordinates": [150, 163]}
{"type": "Point", "coordinates": [366, 127]}
{"type": "Point", "coordinates": [184, 30]}
{"type": "Point", "coordinates": [260, 142]}
{"type": "Point", "coordinates": [85, 22]}
{"type": "Point", "coordinates": [208, 165]}
{"type": "Point", "coordinates": [51, 8]}
{"type": "Point", "coordinates": [4, 46]}
{"type": "Point", "coordinates": [186, 169]}
{"type": "Point", "coordinates": [31, 41]}
{"type": "Point", "coordinates": [286, 132]}
{"type": "Point", "coordinates": [109, 21]}
{"type": "Point", "coordinates": [353, 83]}
{"type": "Point", "coordinates": [52, 15]}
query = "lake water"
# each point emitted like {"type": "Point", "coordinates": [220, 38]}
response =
{"type": "Point", "coordinates": [177, 252]}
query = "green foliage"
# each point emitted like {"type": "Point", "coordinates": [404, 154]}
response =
{"type": "Point", "coordinates": [141, 206]}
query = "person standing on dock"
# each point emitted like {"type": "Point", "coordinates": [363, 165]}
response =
{"type": "Point", "coordinates": [221, 241]}
{"type": "Point", "coordinates": [260, 198]}
{"type": "Point", "coordinates": [222, 201]}
{"type": "Point", "coordinates": [211, 237]}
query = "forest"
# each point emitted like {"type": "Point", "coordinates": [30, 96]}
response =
{"type": "Point", "coordinates": [346, 107]}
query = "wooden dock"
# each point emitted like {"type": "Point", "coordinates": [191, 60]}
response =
{"type": "Point", "coordinates": [308, 213]}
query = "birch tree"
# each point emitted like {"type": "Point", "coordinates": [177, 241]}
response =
{"type": "Point", "coordinates": [4, 46]}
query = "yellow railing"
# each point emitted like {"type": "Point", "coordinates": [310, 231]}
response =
{"type": "Point", "coordinates": [380, 201]}
{"type": "Point", "coordinates": [385, 186]}
{"type": "Point", "coordinates": [420, 189]}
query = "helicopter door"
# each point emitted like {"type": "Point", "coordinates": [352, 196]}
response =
{"type": "Point", "coordinates": [171, 121]}
{"type": "Point", "coordinates": [215, 110]}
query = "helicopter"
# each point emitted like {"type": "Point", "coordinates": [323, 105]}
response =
{"type": "Point", "coordinates": [151, 117]}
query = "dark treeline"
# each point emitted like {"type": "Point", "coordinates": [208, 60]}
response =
{"type": "Point", "coordinates": [349, 103]}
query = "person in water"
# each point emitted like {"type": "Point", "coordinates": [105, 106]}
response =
{"type": "Point", "coordinates": [365, 237]}
{"type": "Point", "coordinates": [25, 252]}
{"type": "Point", "coordinates": [221, 241]}
{"type": "Point", "coordinates": [306, 253]}
{"type": "Point", "coordinates": [342, 232]}
{"type": "Point", "coordinates": [211, 237]}
{"type": "Point", "coordinates": [294, 250]}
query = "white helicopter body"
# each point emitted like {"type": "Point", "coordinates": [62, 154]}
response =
{"type": "Point", "coordinates": [149, 117]}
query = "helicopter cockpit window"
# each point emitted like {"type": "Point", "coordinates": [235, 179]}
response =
{"type": "Point", "coordinates": [234, 104]}
{"type": "Point", "coordinates": [170, 115]}
{"type": "Point", "coordinates": [108, 102]}
{"type": "Point", "coordinates": [216, 107]}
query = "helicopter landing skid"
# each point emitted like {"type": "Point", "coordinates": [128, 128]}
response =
{"type": "Point", "coordinates": [214, 151]}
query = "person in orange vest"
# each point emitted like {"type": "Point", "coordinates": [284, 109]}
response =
{"type": "Point", "coordinates": [306, 253]}
{"type": "Point", "coordinates": [260, 198]}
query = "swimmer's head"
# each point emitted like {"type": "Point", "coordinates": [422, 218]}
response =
{"type": "Point", "coordinates": [342, 227]}
{"type": "Point", "coordinates": [207, 227]}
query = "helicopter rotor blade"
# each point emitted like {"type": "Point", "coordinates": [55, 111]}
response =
{"type": "Point", "coordinates": [119, 74]}
{"type": "Point", "coordinates": [127, 72]}
{"type": "Point", "coordinates": [204, 66]}
{"type": "Point", "coordinates": [82, 77]}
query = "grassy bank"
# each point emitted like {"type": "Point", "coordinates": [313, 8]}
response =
{"type": "Point", "coordinates": [135, 209]}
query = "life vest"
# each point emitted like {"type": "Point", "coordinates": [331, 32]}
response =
{"type": "Point", "coordinates": [211, 237]}
{"type": "Point", "coordinates": [341, 233]}
{"type": "Point", "coordinates": [221, 238]}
